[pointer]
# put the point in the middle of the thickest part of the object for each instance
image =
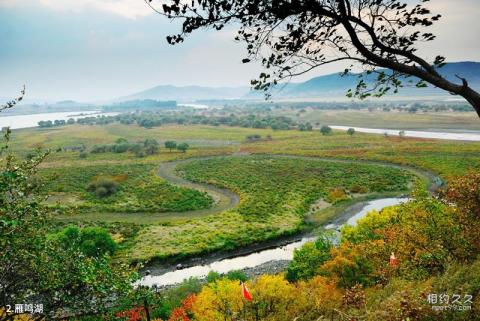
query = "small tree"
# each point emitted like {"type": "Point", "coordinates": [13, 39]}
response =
{"type": "Point", "coordinates": [183, 147]}
{"type": "Point", "coordinates": [351, 131]}
{"type": "Point", "coordinates": [325, 130]}
{"type": "Point", "coordinates": [151, 146]}
{"type": "Point", "coordinates": [170, 144]}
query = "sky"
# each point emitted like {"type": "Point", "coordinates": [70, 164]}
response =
{"type": "Point", "coordinates": [93, 50]}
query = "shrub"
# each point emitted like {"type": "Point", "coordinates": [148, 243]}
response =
{"type": "Point", "coordinates": [83, 155]}
{"type": "Point", "coordinates": [325, 130]}
{"type": "Point", "coordinates": [91, 241]}
{"type": "Point", "coordinates": [96, 241]}
{"type": "Point", "coordinates": [336, 195]}
{"type": "Point", "coordinates": [308, 258]}
{"type": "Point", "coordinates": [121, 148]}
{"type": "Point", "coordinates": [351, 131]}
{"type": "Point", "coordinates": [254, 138]}
{"type": "Point", "coordinates": [103, 186]}
{"type": "Point", "coordinates": [212, 276]}
{"type": "Point", "coordinates": [237, 275]}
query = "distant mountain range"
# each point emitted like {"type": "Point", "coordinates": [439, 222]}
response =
{"type": "Point", "coordinates": [188, 93]}
{"type": "Point", "coordinates": [328, 86]}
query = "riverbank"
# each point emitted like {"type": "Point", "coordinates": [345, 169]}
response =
{"type": "Point", "coordinates": [265, 258]}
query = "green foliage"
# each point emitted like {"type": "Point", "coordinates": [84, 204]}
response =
{"type": "Point", "coordinates": [170, 144]}
{"type": "Point", "coordinates": [325, 130]}
{"type": "Point", "coordinates": [351, 131]}
{"type": "Point", "coordinates": [308, 258]}
{"type": "Point", "coordinates": [151, 146]}
{"type": "Point", "coordinates": [23, 224]}
{"type": "Point", "coordinates": [183, 147]}
{"type": "Point", "coordinates": [238, 275]}
{"type": "Point", "coordinates": [212, 276]}
{"type": "Point", "coordinates": [33, 264]}
{"type": "Point", "coordinates": [91, 241]}
{"type": "Point", "coordinates": [305, 127]}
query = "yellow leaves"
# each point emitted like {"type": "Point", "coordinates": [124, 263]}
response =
{"type": "Point", "coordinates": [321, 295]}
{"type": "Point", "coordinates": [18, 317]}
{"type": "Point", "coordinates": [273, 299]}
{"type": "Point", "coordinates": [219, 300]}
{"type": "Point", "coordinates": [336, 195]}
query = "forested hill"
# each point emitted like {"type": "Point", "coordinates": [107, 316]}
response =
{"type": "Point", "coordinates": [336, 85]}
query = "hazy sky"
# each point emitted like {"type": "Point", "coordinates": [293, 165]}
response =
{"type": "Point", "coordinates": [99, 49]}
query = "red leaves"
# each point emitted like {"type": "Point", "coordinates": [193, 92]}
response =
{"type": "Point", "coordinates": [184, 312]}
{"type": "Point", "coordinates": [134, 314]}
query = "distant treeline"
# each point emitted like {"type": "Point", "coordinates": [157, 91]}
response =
{"type": "Point", "coordinates": [405, 106]}
{"type": "Point", "coordinates": [153, 119]}
{"type": "Point", "coordinates": [145, 104]}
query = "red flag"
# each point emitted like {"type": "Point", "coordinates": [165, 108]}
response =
{"type": "Point", "coordinates": [246, 293]}
{"type": "Point", "coordinates": [393, 260]}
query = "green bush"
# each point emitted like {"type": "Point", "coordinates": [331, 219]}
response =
{"type": "Point", "coordinates": [308, 258]}
{"type": "Point", "coordinates": [91, 241]}
{"type": "Point", "coordinates": [237, 275]}
{"type": "Point", "coordinates": [103, 186]}
{"type": "Point", "coordinates": [325, 130]}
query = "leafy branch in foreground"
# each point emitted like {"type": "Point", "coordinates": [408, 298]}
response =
{"type": "Point", "coordinates": [292, 37]}
{"type": "Point", "coordinates": [37, 268]}
{"type": "Point", "coordinates": [12, 103]}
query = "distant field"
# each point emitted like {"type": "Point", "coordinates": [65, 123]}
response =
{"type": "Point", "coordinates": [390, 120]}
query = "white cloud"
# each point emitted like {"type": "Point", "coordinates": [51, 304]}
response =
{"type": "Point", "coordinates": [126, 8]}
{"type": "Point", "coordinates": [130, 9]}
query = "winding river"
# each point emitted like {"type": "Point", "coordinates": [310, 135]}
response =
{"type": "Point", "coordinates": [252, 260]}
{"type": "Point", "coordinates": [473, 136]}
{"type": "Point", "coordinates": [167, 276]}
{"type": "Point", "coordinates": [31, 120]}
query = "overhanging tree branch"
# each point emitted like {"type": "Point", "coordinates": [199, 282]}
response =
{"type": "Point", "coordinates": [291, 37]}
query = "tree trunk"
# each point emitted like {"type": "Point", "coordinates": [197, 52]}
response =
{"type": "Point", "coordinates": [473, 98]}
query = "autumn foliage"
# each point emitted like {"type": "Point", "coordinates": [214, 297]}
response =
{"type": "Point", "coordinates": [435, 246]}
{"type": "Point", "coordinates": [183, 312]}
{"type": "Point", "coordinates": [133, 314]}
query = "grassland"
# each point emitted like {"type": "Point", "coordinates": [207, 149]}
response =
{"type": "Point", "coordinates": [139, 190]}
{"type": "Point", "coordinates": [275, 193]}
